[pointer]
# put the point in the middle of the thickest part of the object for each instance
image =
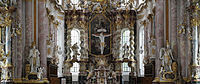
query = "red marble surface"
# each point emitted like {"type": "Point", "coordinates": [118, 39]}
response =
{"type": "Point", "coordinates": [42, 35]}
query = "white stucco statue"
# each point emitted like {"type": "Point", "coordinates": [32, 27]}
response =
{"type": "Point", "coordinates": [125, 51]}
{"type": "Point", "coordinates": [83, 51]}
{"type": "Point", "coordinates": [75, 49]}
{"type": "Point", "coordinates": [58, 51]}
{"type": "Point", "coordinates": [102, 40]}
{"type": "Point", "coordinates": [50, 45]}
{"type": "Point", "coordinates": [34, 59]}
{"type": "Point", "coordinates": [166, 58]}
{"type": "Point", "coordinates": [40, 73]}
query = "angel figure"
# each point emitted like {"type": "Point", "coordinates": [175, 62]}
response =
{"type": "Point", "coordinates": [40, 73]}
{"type": "Point", "coordinates": [91, 73]}
{"type": "Point", "coordinates": [83, 50]}
{"type": "Point", "coordinates": [166, 58]}
{"type": "Point", "coordinates": [58, 51]}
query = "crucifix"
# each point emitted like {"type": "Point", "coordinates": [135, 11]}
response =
{"type": "Point", "coordinates": [101, 36]}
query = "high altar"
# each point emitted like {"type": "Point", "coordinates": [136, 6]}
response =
{"type": "Point", "coordinates": [100, 38]}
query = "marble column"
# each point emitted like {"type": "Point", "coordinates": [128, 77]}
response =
{"type": "Point", "coordinates": [159, 33]}
{"type": "Point", "coordinates": [189, 43]}
{"type": "Point", "coordinates": [182, 41]}
{"type": "Point", "coordinates": [146, 39]}
{"type": "Point", "coordinates": [19, 40]}
{"type": "Point", "coordinates": [173, 27]}
{"type": "Point", "coordinates": [42, 34]}
{"type": "Point", "coordinates": [28, 30]}
{"type": "Point", "coordinates": [149, 38]}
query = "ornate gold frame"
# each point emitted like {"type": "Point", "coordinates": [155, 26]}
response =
{"type": "Point", "coordinates": [90, 36]}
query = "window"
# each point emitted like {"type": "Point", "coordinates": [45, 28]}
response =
{"type": "Point", "coordinates": [126, 68]}
{"type": "Point", "coordinates": [75, 38]}
{"type": "Point", "coordinates": [75, 67]}
{"type": "Point", "coordinates": [126, 39]}
{"type": "Point", "coordinates": [141, 52]}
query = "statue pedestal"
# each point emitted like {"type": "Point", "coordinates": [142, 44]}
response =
{"type": "Point", "coordinates": [32, 76]}
{"type": "Point", "coordinates": [82, 77]}
{"type": "Point", "coordinates": [68, 79]}
{"type": "Point", "coordinates": [132, 79]}
{"type": "Point", "coordinates": [195, 81]}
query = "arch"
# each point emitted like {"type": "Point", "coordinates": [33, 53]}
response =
{"type": "Point", "coordinates": [75, 36]}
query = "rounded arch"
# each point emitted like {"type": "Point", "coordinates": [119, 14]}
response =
{"type": "Point", "coordinates": [75, 36]}
{"type": "Point", "coordinates": [125, 36]}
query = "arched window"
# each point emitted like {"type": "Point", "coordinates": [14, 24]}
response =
{"type": "Point", "coordinates": [141, 51]}
{"type": "Point", "coordinates": [126, 39]}
{"type": "Point", "coordinates": [75, 38]}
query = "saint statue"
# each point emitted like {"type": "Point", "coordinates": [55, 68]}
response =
{"type": "Point", "coordinates": [75, 49]}
{"type": "Point", "coordinates": [34, 59]}
{"type": "Point", "coordinates": [125, 51]}
{"type": "Point", "coordinates": [50, 45]}
{"type": "Point", "coordinates": [166, 59]}
{"type": "Point", "coordinates": [102, 40]}
{"type": "Point", "coordinates": [58, 51]}
{"type": "Point", "coordinates": [83, 51]}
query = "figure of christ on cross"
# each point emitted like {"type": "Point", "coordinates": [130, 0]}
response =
{"type": "Point", "coordinates": [101, 36]}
